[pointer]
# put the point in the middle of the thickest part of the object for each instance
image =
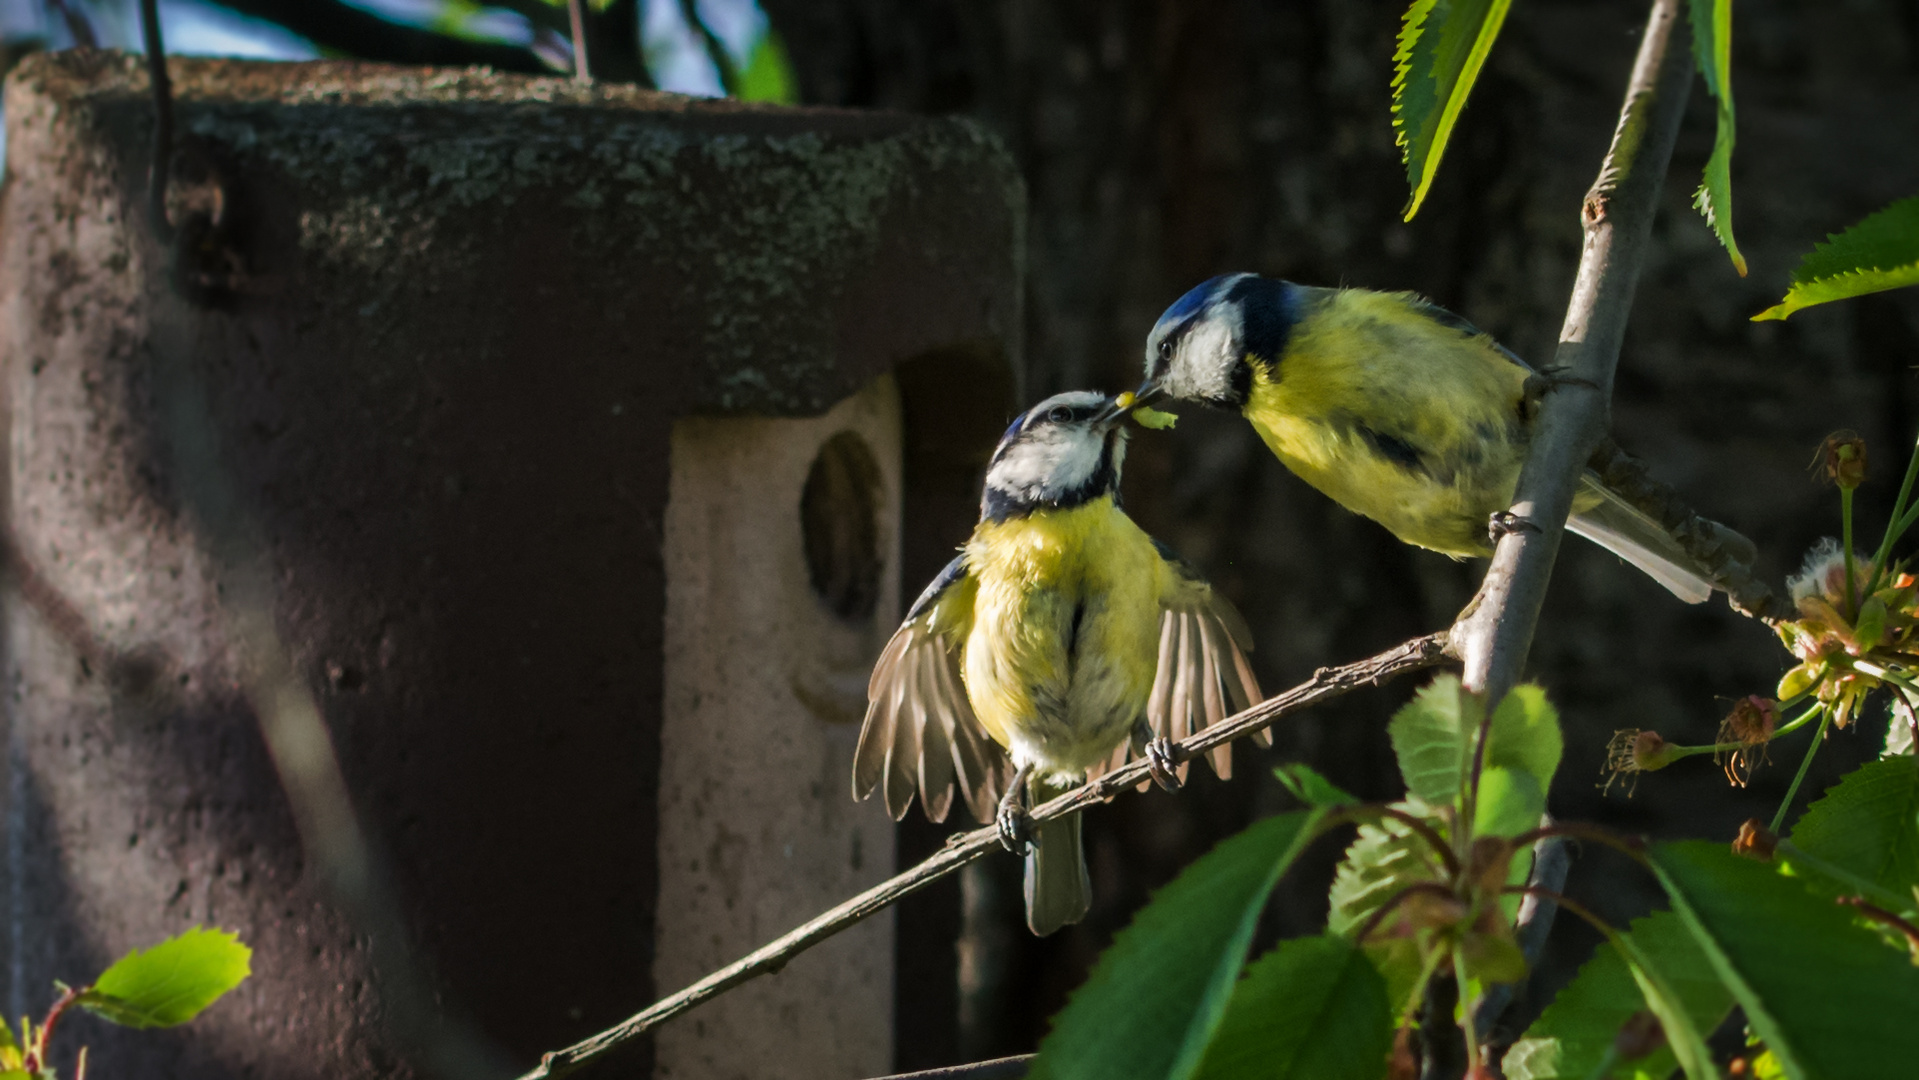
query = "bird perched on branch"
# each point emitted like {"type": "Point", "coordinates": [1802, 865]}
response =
{"type": "Point", "coordinates": [1398, 409]}
{"type": "Point", "coordinates": [1062, 637]}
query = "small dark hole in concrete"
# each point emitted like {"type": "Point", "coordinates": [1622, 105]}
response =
{"type": "Point", "coordinates": [839, 520]}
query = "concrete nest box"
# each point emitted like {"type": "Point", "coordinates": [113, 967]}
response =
{"type": "Point", "coordinates": [582, 435]}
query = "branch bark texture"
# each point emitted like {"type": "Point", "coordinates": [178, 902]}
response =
{"type": "Point", "coordinates": [1494, 636]}
{"type": "Point", "coordinates": [963, 848]}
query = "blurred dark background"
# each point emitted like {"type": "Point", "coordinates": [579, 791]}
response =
{"type": "Point", "coordinates": [1164, 141]}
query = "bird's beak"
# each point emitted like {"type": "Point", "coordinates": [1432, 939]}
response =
{"type": "Point", "coordinates": [1116, 408]}
{"type": "Point", "coordinates": [1148, 393]}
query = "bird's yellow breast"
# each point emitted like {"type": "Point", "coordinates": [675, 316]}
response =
{"type": "Point", "coordinates": [1365, 370]}
{"type": "Point", "coordinates": [1065, 634]}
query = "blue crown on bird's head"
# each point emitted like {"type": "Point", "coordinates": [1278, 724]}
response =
{"type": "Point", "coordinates": [1200, 348]}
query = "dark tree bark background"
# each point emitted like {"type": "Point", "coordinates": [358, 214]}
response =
{"type": "Point", "coordinates": [1164, 141]}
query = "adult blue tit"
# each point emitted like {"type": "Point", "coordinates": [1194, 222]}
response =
{"type": "Point", "coordinates": [1059, 642]}
{"type": "Point", "coordinates": [1397, 409]}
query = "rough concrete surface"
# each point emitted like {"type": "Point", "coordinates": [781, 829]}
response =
{"type": "Point", "coordinates": [765, 689]}
{"type": "Point", "coordinates": [444, 328]}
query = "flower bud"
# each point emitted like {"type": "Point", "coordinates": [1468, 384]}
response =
{"type": "Point", "coordinates": [1799, 680]}
{"type": "Point", "coordinates": [1842, 459]}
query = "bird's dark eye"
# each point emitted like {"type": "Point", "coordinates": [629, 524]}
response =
{"type": "Point", "coordinates": [1166, 349]}
{"type": "Point", "coordinates": [1059, 414]}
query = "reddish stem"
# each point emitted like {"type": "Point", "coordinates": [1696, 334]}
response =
{"type": "Point", "coordinates": [1634, 846]}
{"type": "Point", "coordinates": [1881, 915]}
{"type": "Point", "coordinates": [35, 1058]}
{"type": "Point", "coordinates": [1420, 828]}
{"type": "Point", "coordinates": [1385, 909]}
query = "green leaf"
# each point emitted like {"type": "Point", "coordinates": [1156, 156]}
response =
{"type": "Point", "coordinates": [171, 982]}
{"type": "Point", "coordinates": [1384, 859]}
{"type": "Point", "coordinates": [1575, 1033]}
{"type": "Point", "coordinates": [1816, 987]}
{"type": "Point", "coordinates": [1868, 825]}
{"type": "Point", "coordinates": [1158, 993]}
{"type": "Point", "coordinates": [1442, 46]}
{"type": "Point", "coordinates": [1311, 788]}
{"type": "Point", "coordinates": [1712, 48]}
{"type": "Point", "coordinates": [1432, 736]}
{"type": "Point", "coordinates": [1312, 1009]}
{"type": "Point", "coordinates": [1879, 253]}
{"type": "Point", "coordinates": [768, 75]}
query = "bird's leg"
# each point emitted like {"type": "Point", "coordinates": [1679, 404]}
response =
{"type": "Point", "coordinates": [1162, 758]}
{"type": "Point", "coordinates": [1543, 382]}
{"type": "Point", "coordinates": [1015, 824]}
{"type": "Point", "coordinates": [1504, 522]}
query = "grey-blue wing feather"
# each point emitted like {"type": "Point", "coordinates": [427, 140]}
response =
{"type": "Point", "coordinates": [1453, 321]}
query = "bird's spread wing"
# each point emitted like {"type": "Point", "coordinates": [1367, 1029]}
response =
{"type": "Point", "coordinates": [1203, 675]}
{"type": "Point", "coordinates": [1630, 533]}
{"type": "Point", "coordinates": [920, 732]}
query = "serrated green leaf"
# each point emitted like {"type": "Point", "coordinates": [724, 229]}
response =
{"type": "Point", "coordinates": [1384, 859]}
{"type": "Point", "coordinates": [1159, 992]}
{"type": "Point", "coordinates": [1510, 802]}
{"type": "Point", "coordinates": [1309, 787]}
{"type": "Point", "coordinates": [171, 982]}
{"type": "Point", "coordinates": [1868, 825]}
{"type": "Point", "coordinates": [1879, 253]}
{"type": "Point", "coordinates": [1432, 737]}
{"type": "Point", "coordinates": [1817, 988]}
{"type": "Point", "coordinates": [1712, 49]}
{"type": "Point", "coordinates": [1574, 1035]}
{"type": "Point", "coordinates": [1312, 1009]}
{"type": "Point", "coordinates": [768, 75]}
{"type": "Point", "coordinates": [1443, 44]}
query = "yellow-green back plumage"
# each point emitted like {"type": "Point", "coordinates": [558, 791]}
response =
{"type": "Point", "coordinates": [1403, 419]}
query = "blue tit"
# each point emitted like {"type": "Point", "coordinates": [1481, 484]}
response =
{"type": "Point", "coordinates": [1396, 408]}
{"type": "Point", "coordinates": [1059, 642]}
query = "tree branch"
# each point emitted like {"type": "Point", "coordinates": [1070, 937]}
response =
{"type": "Point", "coordinates": [1496, 630]}
{"type": "Point", "coordinates": [963, 848]}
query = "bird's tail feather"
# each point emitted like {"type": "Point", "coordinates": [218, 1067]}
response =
{"type": "Point", "coordinates": [1058, 891]}
{"type": "Point", "coordinates": [1628, 532]}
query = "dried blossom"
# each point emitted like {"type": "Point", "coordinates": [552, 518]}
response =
{"type": "Point", "coordinates": [1841, 459]}
{"type": "Point", "coordinates": [1755, 841]}
{"type": "Point", "coordinates": [1632, 752]}
{"type": "Point", "coordinates": [1750, 724]}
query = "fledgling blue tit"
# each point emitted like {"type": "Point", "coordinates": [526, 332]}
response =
{"type": "Point", "coordinates": [1396, 408]}
{"type": "Point", "coordinates": [1060, 641]}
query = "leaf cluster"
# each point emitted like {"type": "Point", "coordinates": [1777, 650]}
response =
{"type": "Point", "coordinates": [1420, 898]}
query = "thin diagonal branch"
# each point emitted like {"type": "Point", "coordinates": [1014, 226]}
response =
{"type": "Point", "coordinates": [1326, 684]}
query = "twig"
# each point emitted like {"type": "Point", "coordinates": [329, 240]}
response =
{"type": "Point", "coordinates": [77, 25]}
{"type": "Point", "coordinates": [162, 89]}
{"type": "Point", "coordinates": [1726, 554]}
{"type": "Point", "coordinates": [1006, 1068]}
{"type": "Point", "coordinates": [576, 21]}
{"type": "Point", "coordinates": [963, 848]}
{"type": "Point", "coordinates": [1496, 631]}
